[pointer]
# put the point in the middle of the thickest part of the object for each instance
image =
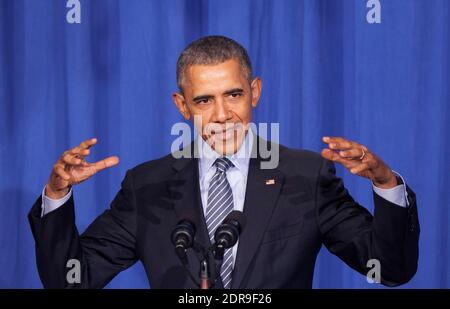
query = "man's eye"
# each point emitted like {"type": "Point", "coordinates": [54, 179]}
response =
{"type": "Point", "coordinates": [235, 95]}
{"type": "Point", "coordinates": [204, 101]}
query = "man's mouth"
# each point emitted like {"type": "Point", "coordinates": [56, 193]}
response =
{"type": "Point", "coordinates": [226, 134]}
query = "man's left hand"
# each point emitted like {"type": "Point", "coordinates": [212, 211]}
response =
{"type": "Point", "coordinates": [359, 161]}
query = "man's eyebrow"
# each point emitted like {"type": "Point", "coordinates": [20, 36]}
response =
{"type": "Point", "coordinates": [234, 90]}
{"type": "Point", "coordinates": [203, 97]}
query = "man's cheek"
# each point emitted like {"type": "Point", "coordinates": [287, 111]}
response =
{"type": "Point", "coordinates": [209, 128]}
{"type": "Point", "coordinates": [199, 123]}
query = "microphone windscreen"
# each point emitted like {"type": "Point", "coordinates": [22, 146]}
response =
{"type": "Point", "coordinates": [238, 216]}
{"type": "Point", "coordinates": [183, 231]}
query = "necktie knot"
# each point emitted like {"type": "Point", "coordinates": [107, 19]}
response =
{"type": "Point", "coordinates": [223, 164]}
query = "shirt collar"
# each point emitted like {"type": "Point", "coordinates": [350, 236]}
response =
{"type": "Point", "coordinates": [240, 159]}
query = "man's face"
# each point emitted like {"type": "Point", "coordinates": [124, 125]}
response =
{"type": "Point", "coordinates": [223, 98]}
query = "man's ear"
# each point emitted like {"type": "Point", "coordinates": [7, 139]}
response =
{"type": "Point", "coordinates": [256, 87]}
{"type": "Point", "coordinates": [181, 104]}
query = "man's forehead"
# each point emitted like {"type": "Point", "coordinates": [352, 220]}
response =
{"type": "Point", "coordinates": [217, 77]}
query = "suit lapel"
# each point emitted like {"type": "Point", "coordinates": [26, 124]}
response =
{"type": "Point", "coordinates": [263, 189]}
{"type": "Point", "coordinates": [187, 199]}
{"type": "Point", "coordinates": [188, 205]}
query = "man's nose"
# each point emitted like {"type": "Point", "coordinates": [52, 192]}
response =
{"type": "Point", "coordinates": [222, 112]}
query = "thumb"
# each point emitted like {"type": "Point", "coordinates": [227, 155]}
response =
{"type": "Point", "coordinates": [106, 163]}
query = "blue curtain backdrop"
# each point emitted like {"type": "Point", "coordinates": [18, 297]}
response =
{"type": "Point", "coordinates": [325, 71]}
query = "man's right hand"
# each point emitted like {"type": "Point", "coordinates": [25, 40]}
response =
{"type": "Point", "coordinates": [72, 168]}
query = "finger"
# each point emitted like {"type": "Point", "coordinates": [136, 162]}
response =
{"type": "Point", "coordinates": [70, 159]}
{"type": "Point", "coordinates": [335, 157]}
{"type": "Point", "coordinates": [360, 168]}
{"type": "Point", "coordinates": [79, 152]}
{"type": "Point", "coordinates": [332, 156]}
{"type": "Point", "coordinates": [335, 139]}
{"type": "Point", "coordinates": [354, 153]}
{"type": "Point", "coordinates": [105, 163]}
{"type": "Point", "coordinates": [77, 157]}
{"type": "Point", "coordinates": [88, 143]}
{"type": "Point", "coordinates": [59, 171]}
{"type": "Point", "coordinates": [338, 143]}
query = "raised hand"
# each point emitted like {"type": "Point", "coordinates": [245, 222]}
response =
{"type": "Point", "coordinates": [359, 161]}
{"type": "Point", "coordinates": [72, 168]}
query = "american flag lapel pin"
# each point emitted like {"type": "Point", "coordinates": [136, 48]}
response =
{"type": "Point", "coordinates": [270, 182]}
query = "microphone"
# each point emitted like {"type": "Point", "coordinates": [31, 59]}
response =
{"type": "Point", "coordinates": [183, 238]}
{"type": "Point", "coordinates": [228, 232]}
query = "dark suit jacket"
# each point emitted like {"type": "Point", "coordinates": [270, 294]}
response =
{"type": "Point", "coordinates": [287, 223]}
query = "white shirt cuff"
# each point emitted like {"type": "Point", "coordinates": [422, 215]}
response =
{"type": "Point", "coordinates": [396, 195]}
{"type": "Point", "coordinates": [48, 204]}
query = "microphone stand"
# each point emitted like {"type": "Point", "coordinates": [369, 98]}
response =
{"type": "Point", "coordinates": [202, 256]}
{"type": "Point", "coordinates": [204, 274]}
{"type": "Point", "coordinates": [218, 258]}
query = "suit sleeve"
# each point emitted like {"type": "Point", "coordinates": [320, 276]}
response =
{"type": "Point", "coordinates": [104, 249]}
{"type": "Point", "coordinates": [349, 231]}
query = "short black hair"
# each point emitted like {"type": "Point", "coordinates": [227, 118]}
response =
{"type": "Point", "coordinates": [210, 50]}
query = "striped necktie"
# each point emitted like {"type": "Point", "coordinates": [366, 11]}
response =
{"type": "Point", "coordinates": [220, 204]}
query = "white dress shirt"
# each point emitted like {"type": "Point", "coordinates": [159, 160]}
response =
{"type": "Point", "coordinates": [237, 177]}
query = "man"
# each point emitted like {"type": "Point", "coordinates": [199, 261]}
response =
{"type": "Point", "coordinates": [291, 210]}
